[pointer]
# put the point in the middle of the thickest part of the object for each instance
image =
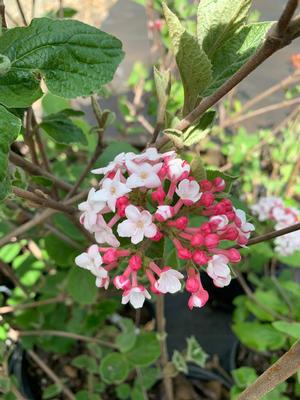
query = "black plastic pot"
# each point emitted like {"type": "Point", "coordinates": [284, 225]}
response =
{"type": "Point", "coordinates": [211, 326]}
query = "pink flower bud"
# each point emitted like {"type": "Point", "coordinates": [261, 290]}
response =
{"type": "Point", "coordinates": [205, 228]}
{"type": "Point", "coordinates": [158, 195]}
{"type": "Point", "coordinates": [197, 240]}
{"type": "Point", "coordinates": [163, 172]}
{"type": "Point", "coordinates": [231, 233]}
{"type": "Point", "coordinates": [181, 223]}
{"type": "Point", "coordinates": [135, 262]}
{"type": "Point", "coordinates": [158, 236]}
{"type": "Point", "coordinates": [206, 199]}
{"type": "Point", "coordinates": [184, 254]}
{"type": "Point", "coordinates": [230, 215]}
{"type": "Point", "coordinates": [211, 240]}
{"type": "Point", "coordinates": [110, 256]}
{"type": "Point", "coordinates": [205, 185]}
{"type": "Point", "coordinates": [121, 204]}
{"type": "Point", "coordinates": [233, 255]}
{"type": "Point", "coordinates": [192, 284]}
{"type": "Point", "coordinates": [200, 257]}
{"type": "Point", "coordinates": [219, 184]}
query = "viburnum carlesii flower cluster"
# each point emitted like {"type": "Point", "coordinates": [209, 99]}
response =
{"type": "Point", "coordinates": [272, 208]}
{"type": "Point", "coordinates": [146, 198]}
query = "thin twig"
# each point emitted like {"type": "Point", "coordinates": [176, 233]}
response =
{"type": "Point", "coordinates": [286, 17]}
{"type": "Point", "coordinates": [36, 170]}
{"type": "Point", "coordinates": [38, 219]}
{"type": "Point", "coordinates": [25, 306]}
{"type": "Point", "coordinates": [9, 273]}
{"type": "Point", "coordinates": [51, 374]}
{"type": "Point", "coordinates": [21, 12]}
{"type": "Point", "coordinates": [140, 118]}
{"type": "Point", "coordinates": [274, 234]}
{"type": "Point", "coordinates": [269, 92]}
{"type": "Point", "coordinates": [263, 110]}
{"type": "Point", "coordinates": [275, 41]}
{"type": "Point", "coordinates": [280, 371]}
{"type": "Point", "coordinates": [69, 335]}
{"type": "Point", "coordinates": [2, 14]}
{"type": "Point", "coordinates": [161, 322]}
{"type": "Point", "coordinates": [61, 9]}
{"type": "Point", "coordinates": [28, 137]}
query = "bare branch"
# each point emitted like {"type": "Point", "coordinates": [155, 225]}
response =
{"type": "Point", "coordinates": [51, 374]}
{"type": "Point", "coordinates": [286, 17]}
{"type": "Point", "coordinates": [21, 12]}
{"type": "Point", "coordinates": [36, 170]}
{"type": "Point", "coordinates": [25, 306]}
{"type": "Point", "coordinates": [2, 14]}
{"type": "Point", "coordinates": [280, 371]}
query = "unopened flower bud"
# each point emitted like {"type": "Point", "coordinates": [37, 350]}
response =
{"type": "Point", "coordinates": [197, 240]}
{"type": "Point", "coordinates": [135, 262]}
{"type": "Point", "coordinates": [200, 257]}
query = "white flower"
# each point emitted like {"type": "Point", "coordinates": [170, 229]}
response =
{"type": "Point", "coordinates": [263, 208]}
{"type": "Point", "coordinates": [90, 209]}
{"type": "Point", "coordinates": [92, 261]}
{"type": "Point", "coordinates": [177, 167]}
{"type": "Point", "coordinates": [135, 296]}
{"type": "Point", "coordinates": [189, 190]}
{"type": "Point", "coordinates": [219, 271]}
{"type": "Point", "coordinates": [151, 154]}
{"type": "Point", "coordinates": [103, 233]}
{"type": "Point", "coordinates": [169, 281]}
{"type": "Point", "coordinates": [143, 175]}
{"type": "Point", "coordinates": [288, 244]}
{"type": "Point", "coordinates": [137, 225]}
{"type": "Point", "coordinates": [285, 216]}
{"type": "Point", "coordinates": [220, 221]}
{"type": "Point", "coordinates": [102, 282]}
{"type": "Point", "coordinates": [117, 163]}
{"type": "Point", "coordinates": [164, 212]}
{"type": "Point", "coordinates": [111, 190]}
{"type": "Point", "coordinates": [244, 227]}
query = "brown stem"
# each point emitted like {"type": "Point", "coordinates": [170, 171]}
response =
{"type": "Point", "coordinates": [24, 306]}
{"type": "Point", "coordinates": [43, 200]}
{"type": "Point", "coordinates": [164, 359]}
{"type": "Point", "coordinates": [28, 137]}
{"type": "Point", "coordinates": [274, 234]}
{"type": "Point", "coordinates": [286, 17]}
{"type": "Point", "coordinates": [61, 9]}
{"type": "Point", "coordinates": [36, 170]}
{"type": "Point", "coordinates": [38, 219]}
{"type": "Point", "coordinates": [269, 92]}
{"type": "Point", "coordinates": [51, 374]}
{"type": "Point", "coordinates": [2, 14]}
{"type": "Point", "coordinates": [9, 273]}
{"type": "Point", "coordinates": [289, 191]}
{"type": "Point", "coordinates": [21, 12]}
{"type": "Point", "coordinates": [140, 118]}
{"type": "Point", "coordinates": [280, 371]}
{"type": "Point", "coordinates": [69, 335]}
{"type": "Point", "coordinates": [273, 107]}
{"type": "Point", "coordinates": [275, 41]}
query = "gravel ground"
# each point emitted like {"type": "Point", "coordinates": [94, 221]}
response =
{"type": "Point", "coordinates": [90, 11]}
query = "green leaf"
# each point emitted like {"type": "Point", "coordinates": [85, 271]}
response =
{"type": "Point", "coordinates": [10, 127]}
{"type": "Point", "coordinates": [126, 340]}
{"type": "Point", "coordinates": [62, 254]}
{"type": "Point", "coordinates": [85, 394]}
{"type": "Point", "coordinates": [229, 58]}
{"type": "Point", "coordinates": [148, 377]}
{"type": "Point", "coordinates": [193, 64]}
{"type": "Point", "coordinates": [74, 59]}
{"type": "Point", "coordinates": [176, 136]}
{"type": "Point", "coordinates": [195, 353]}
{"type": "Point", "coordinates": [289, 328]}
{"type": "Point", "coordinates": [179, 362]}
{"type": "Point", "coordinates": [217, 20]}
{"type": "Point", "coordinates": [123, 391]}
{"type": "Point", "coordinates": [212, 174]}
{"type": "Point", "coordinates": [244, 376]}
{"type": "Point", "coordinates": [196, 133]}
{"type": "Point", "coordinates": [292, 260]}
{"type": "Point", "coordinates": [162, 81]}
{"type": "Point", "coordinates": [62, 129]}
{"type": "Point", "coordinates": [114, 368]}
{"type": "Point", "coordinates": [85, 362]}
{"type": "Point", "coordinates": [197, 167]}
{"type": "Point", "coordinates": [81, 286]}
{"type": "Point", "coordinates": [260, 337]}
{"type": "Point", "coordinates": [51, 391]}
{"type": "Point", "coordinates": [5, 65]}
{"type": "Point", "coordinates": [146, 350]}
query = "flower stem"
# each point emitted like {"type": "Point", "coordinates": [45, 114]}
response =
{"type": "Point", "coordinates": [160, 321]}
